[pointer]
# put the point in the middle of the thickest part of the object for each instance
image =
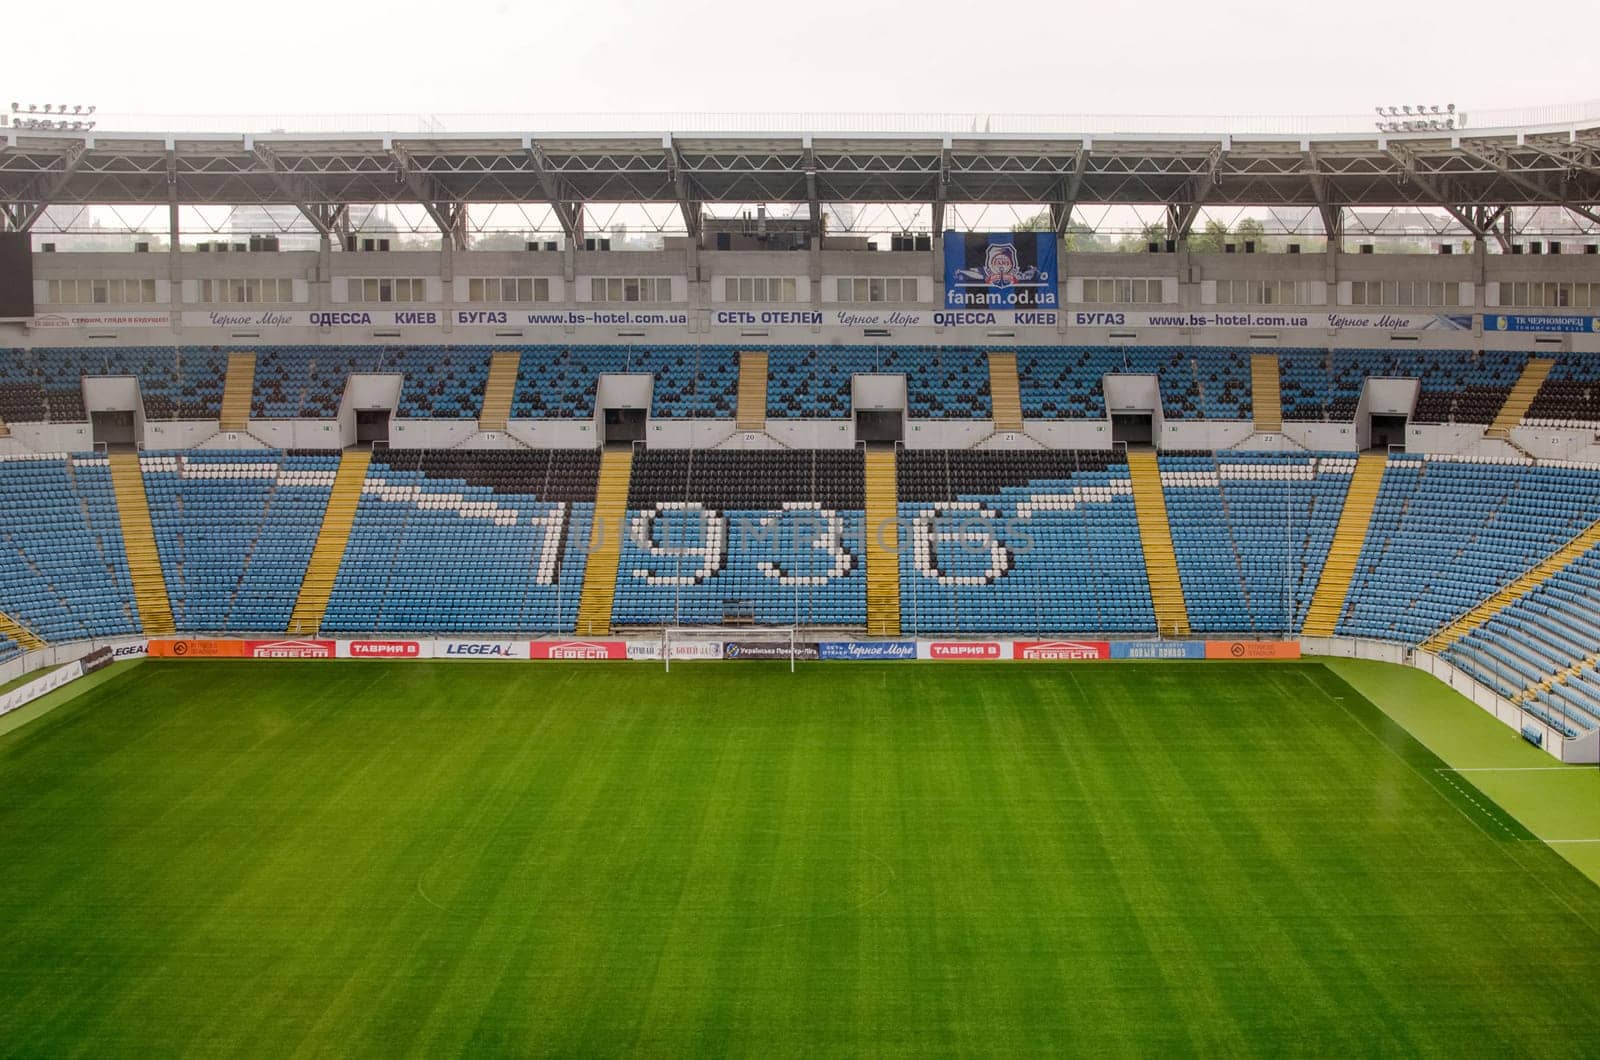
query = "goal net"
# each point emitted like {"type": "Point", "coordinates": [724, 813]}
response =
{"type": "Point", "coordinates": [680, 643]}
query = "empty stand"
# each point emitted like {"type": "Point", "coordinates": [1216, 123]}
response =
{"type": "Point", "coordinates": [332, 540]}
{"type": "Point", "coordinates": [1447, 532]}
{"type": "Point", "coordinates": [138, 535]}
{"type": "Point", "coordinates": [1005, 391]}
{"type": "Point", "coordinates": [1522, 395]}
{"type": "Point", "coordinates": [1516, 590]}
{"type": "Point", "coordinates": [234, 530]}
{"type": "Point", "coordinates": [767, 537]}
{"type": "Point", "coordinates": [1570, 396]}
{"type": "Point", "coordinates": [504, 367]}
{"type": "Point", "coordinates": [1155, 538]}
{"type": "Point", "coordinates": [882, 544]}
{"type": "Point", "coordinates": [605, 544]}
{"type": "Point", "coordinates": [237, 391]}
{"type": "Point", "coordinates": [63, 570]}
{"type": "Point", "coordinates": [1540, 649]}
{"type": "Point", "coordinates": [1043, 541]}
{"type": "Point", "coordinates": [475, 541]}
{"type": "Point", "coordinates": [1251, 532]}
{"type": "Point", "coordinates": [558, 382]}
{"type": "Point", "coordinates": [752, 413]}
{"type": "Point", "coordinates": [1266, 393]}
{"type": "Point", "coordinates": [1339, 569]}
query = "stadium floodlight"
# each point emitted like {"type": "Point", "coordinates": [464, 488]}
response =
{"type": "Point", "coordinates": [1424, 118]}
{"type": "Point", "coordinates": [61, 117]}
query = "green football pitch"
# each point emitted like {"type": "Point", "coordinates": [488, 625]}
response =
{"type": "Point", "coordinates": [275, 859]}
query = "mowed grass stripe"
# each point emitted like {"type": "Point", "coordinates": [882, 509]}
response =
{"type": "Point", "coordinates": [436, 859]}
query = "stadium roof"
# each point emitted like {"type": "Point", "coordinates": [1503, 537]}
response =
{"type": "Point", "coordinates": [1475, 174]}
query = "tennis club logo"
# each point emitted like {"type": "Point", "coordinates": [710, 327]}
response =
{"type": "Point", "coordinates": [290, 649]}
{"type": "Point", "coordinates": [1060, 650]}
{"type": "Point", "coordinates": [578, 649]}
{"type": "Point", "coordinates": [964, 649]}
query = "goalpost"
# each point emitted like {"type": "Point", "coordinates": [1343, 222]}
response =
{"type": "Point", "coordinates": [696, 642]}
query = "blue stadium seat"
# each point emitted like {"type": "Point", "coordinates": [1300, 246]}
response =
{"type": "Point", "coordinates": [1251, 531]}
{"type": "Point", "coordinates": [467, 541]}
{"type": "Point", "coordinates": [63, 570]}
{"type": "Point", "coordinates": [234, 530]}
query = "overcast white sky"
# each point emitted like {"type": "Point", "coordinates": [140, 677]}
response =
{"type": "Point", "coordinates": [505, 56]}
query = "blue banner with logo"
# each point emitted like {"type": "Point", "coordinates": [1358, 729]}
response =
{"type": "Point", "coordinates": [1547, 322]}
{"type": "Point", "coordinates": [867, 649]}
{"type": "Point", "coordinates": [1000, 270]}
{"type": "Point", "coordinates": [1158, 649]}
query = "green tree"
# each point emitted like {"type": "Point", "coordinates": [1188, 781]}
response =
{"type": "Point", "coordinates": [1210, 240]}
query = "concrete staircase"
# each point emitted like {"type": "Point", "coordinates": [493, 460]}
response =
{"type": "Point", "coordinates": [238, 391]}
{"type": "Point", "coordinates": [316, 588]}
{"type": "Point", "coordinates": [139, 541]}
{"type": "Point", "coordinates": [1155, 535]}
{"type": "Point", "coordinates": [1515, 590]}
{"type": "Point", "coordinates": [1526, 388]}
{"type": "Point", "coordinates": [1005, 392]}
{"type": "Point", "coordinates": [1266, 393]}
{"type": "Point", "coordinates": [883, 545]}
{"type": "Point", "coordinates": [1340, 568]}
{"type": "Point", "coordinates": [501, 388]}
{"type": "Point", "coordinates": [605, 543]}
{"type": "Point", "coordinates": [752, 412]}
{"type": "Point", "coordinates": [19, 633]}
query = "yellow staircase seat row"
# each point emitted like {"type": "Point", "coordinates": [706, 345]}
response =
{"type": "Point", "coordinates": [1327, 603]}
{"type": "Point", "coordinates": [1005, 392]}
{"type": "Point", "coordinates": [316, 588]}
{"type": "Point", "coordinates": [883, 544]}
{"type": "Point", "coordinates": [25, 637]}
{"type": "Point", "coordinates": [1266, 393]}
{"type": "Point", "coordinates": [605, 543]}
{"type": "Point", "coordinates": [501, 388]}
{"type": "Point", "coordinates": [238, 391]}
{"type": "Point", "coordinates": [1155, 535]}
{"type": "Point", "coordinates": [1526, 388]}
{"type": "Point", "coordinates": [139, 541]}
{"type": "Point", "coordinates": [751, 414]}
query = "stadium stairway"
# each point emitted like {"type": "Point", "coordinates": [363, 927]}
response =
{"type": "Point", "coordinates": [752, 409]}
{"type": "Point", "coordinates": [332, 537]}
{"type": "Point", "coordinates": [1266, 393]}
{"type": "Point", "coordinates": [24, 637]}
{"type": "Point", "coordinates": [1515, 590]}
{"type": "Point", "coordinates": [237, 391]}
{"type": "Point", "coordinates": [501, 388]}
{"type": "Point", "coordinates": [1005, 393]}
{"type": "Point", "coordinates": [605, 543]}
{"type": "Point", "coordinates": [139, 541]}
{"type": "Point", "coordinates": [1340, 568]}
{"type": "Point", "coordinates": [1155, 538]}
{"type": "Point", "coordinates": [882, 545]}
{"type": "Point", "coordinates": [1534, 373]}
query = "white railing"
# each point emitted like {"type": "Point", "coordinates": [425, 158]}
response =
{"type": "Point", "coordinates": [796, 122]}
